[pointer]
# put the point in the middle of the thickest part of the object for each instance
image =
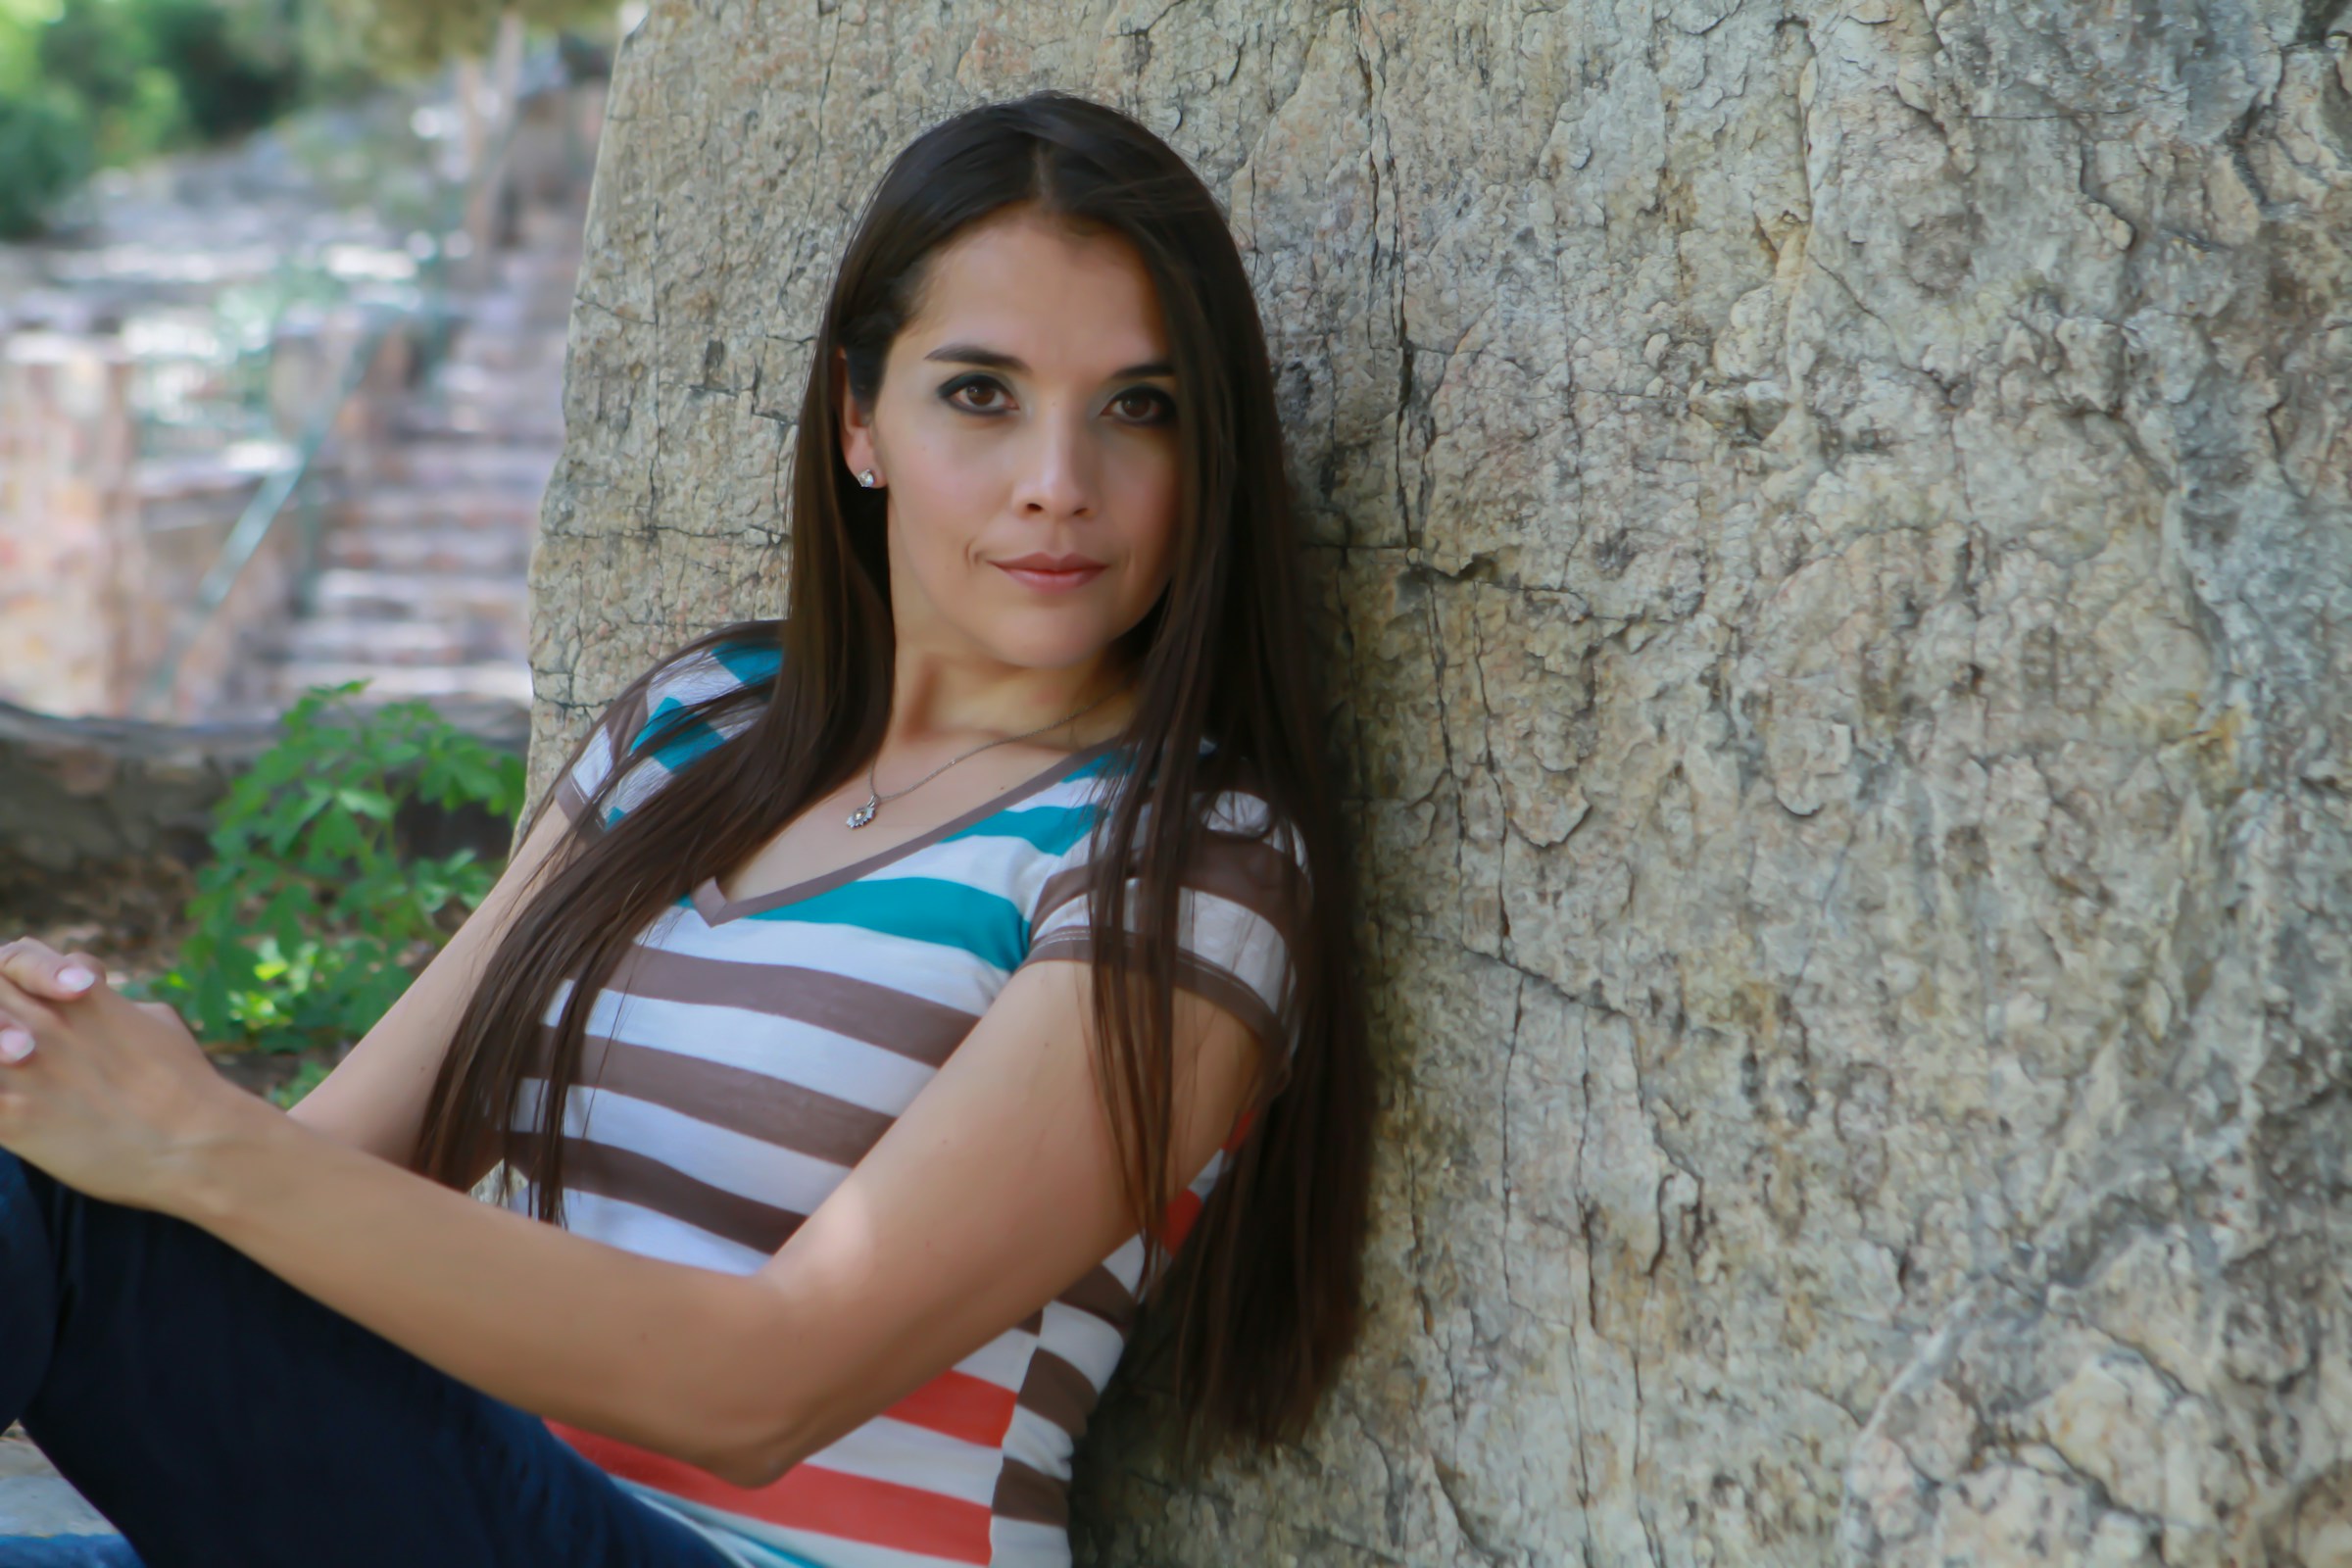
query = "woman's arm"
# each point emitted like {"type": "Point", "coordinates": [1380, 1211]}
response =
{"type": "Point", "coordinates": [993, 1192]}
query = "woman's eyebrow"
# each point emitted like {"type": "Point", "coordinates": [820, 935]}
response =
{"type": "Point", "coordinates": [994, 360]}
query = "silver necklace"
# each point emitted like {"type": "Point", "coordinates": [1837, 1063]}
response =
{"type": "Point", "coordinates": [873, 800]}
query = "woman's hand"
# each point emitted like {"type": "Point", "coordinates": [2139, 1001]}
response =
{"type": "Point", "coordinates": [107, 1094]}
{"type": "Point", "coordinates": [45, 973]}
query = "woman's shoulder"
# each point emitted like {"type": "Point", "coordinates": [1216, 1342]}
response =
{"type": "Point", "coordinates": [735, 658]}
{"type": "Point", "coordinates": [1237, 810]}
{"type": "Point", "coordinates": [671, 711]}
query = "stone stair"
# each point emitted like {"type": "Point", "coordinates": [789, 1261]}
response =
{"type": "Point", "coordinates": [34, 1501]}
{"type": "Point", "coordinates": [421, 588]}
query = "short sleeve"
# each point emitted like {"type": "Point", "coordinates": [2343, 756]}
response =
{"type": "Point", "coordinates": [607, 739]}
{"type": "Point", "coordinates": [647, 718]}
{"type": "Point", "coordinates": [1240, 911]}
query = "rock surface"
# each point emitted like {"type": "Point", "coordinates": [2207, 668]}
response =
{"type": "Point", "coordinates": [1837, 520]}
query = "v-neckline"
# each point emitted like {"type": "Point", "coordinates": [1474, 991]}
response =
{"type": "Point", "coordinates": [717, 908]}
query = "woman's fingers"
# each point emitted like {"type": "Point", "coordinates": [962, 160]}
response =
{"type": "Point", "coordinates": [41, 970]}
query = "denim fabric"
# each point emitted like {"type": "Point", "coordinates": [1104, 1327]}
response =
{"type": "Point", "coordinates": [221, 1418]}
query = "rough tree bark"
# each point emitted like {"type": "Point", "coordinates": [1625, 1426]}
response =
{"type": "Point", "coordinates": [1838, 526]}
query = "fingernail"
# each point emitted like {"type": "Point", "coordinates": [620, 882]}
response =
{"type": "Point", "coordinates": [14, 1045]}
{"type": "Point", "coordinates": [75, 979]}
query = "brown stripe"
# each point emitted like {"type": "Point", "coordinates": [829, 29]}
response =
{"type": "Point", "coordinates": [1251, 873]}
{"type": "Point", "coordinates": [1059, 1391]}
{"type": "Point", "coordinates": [1059, 888]}
{"type": "Point", "coordinates": [1100, 1293]}
{"type": "Point", "coordinates": [1030, 1496]}
{"type": "Point", "coordinates": [632, 1178]}
{"type": "Point", "coordinates": [1034, 1323]}
{"type": "Point", "coordinates": [1247, 871]}
{"type": "Point", "coordinates": [909, 1026]}
{"type": "Point", "coordinates": [1213, 981]}
{"type": "Point", "coordinates": [774, 1110]}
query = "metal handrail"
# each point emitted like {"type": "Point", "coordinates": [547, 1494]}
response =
{"type": "Point", "coordinates": [429, 310]}
{"type": "Point", "coordinates": [255, 523]}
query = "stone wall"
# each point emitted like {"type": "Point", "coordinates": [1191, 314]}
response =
{"type": "Point", "coordinates": [103, 548]}
{"type": "Point", "coordinates": [1839, 544]}
{"type": "Point", "coordinates": [73, 557]}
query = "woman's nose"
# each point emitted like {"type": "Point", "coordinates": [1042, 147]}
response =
{"type": "Point", "coordinates": [1058, 478]}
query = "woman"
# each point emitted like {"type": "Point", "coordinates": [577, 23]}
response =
{"type": "Point", "coordinates": [968, 955]}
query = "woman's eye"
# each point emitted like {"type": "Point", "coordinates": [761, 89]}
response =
{"type": "Point", "coordinates": [1143, 404]}
{"type": "Point", "coordinates": [976, 393]}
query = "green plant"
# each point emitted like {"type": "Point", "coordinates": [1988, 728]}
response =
{"type": "Point", "coordinates": [307, 1077]}
{"type": "Point", "coordinates": [44, 151]}
{"type": "Point", "coordinates": [309, 922]}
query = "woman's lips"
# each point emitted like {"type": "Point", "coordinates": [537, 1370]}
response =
{"type": "Point", "coordinates": [1053, 581]}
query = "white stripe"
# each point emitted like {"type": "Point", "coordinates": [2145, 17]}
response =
{"type": "Point", "coordinates": [1024, 1544]}
{"type": "Point", "coordinates": [1126, 1265]}
{"type": "Point", "coordinates": [1039, 1443]}
{"type": "Point", "coordinates": [987, 862]}
{"type": "Point", "coordinates": [1235, 939]}
{"type": "Point", "coordinates": [1083, 1340]}
{"type": "Point", "coordinates": [950, 976]}
{"type": "Point", "coordinates": [748, 1167]}
{"type": "Point", "coordinates": [787, 1049]}
{"type": "Point", "coordinates": [834, 1551]}
{"type": "Point", "coordinates": [907, 1455]}
{"type": "Point", "coordinates": [596, 760]}
{"type": "Point", "coordinates": [1002, 1360]}
{"type": "Point", "coordinates": [634, 1228]}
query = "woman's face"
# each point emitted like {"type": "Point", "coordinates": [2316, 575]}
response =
{"type": "Point", "coordinates": [1027, 410]}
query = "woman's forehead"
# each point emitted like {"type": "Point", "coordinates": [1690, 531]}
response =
{"type": "Point", "coordinates": [1042, 291]}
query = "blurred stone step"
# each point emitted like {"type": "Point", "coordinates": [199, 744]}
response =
{"type": "Point", "coordinates": [508, 680]}
{"type": "Point", "coordinates": [402, 509]}
{"type": "Point", "coordinates": [470, 462]}
{"type": "Point", "coordinates": [540, 354]}
{"type": "Point", "coordinates": [365, 593]}
{"type": "Point", "coordinates": [538, 422]}
{"type": "Point", "coordinates": [333, 640]}
{"type": "Point", "coordinates": [459, 380]}
{"type": "Point", "coordinates": [438, 547]}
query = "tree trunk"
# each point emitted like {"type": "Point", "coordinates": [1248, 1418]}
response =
{"type": "Point", "coordinates": [1839, 537]}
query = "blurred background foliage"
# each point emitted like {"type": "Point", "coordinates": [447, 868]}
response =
{"type": "Point", "coordinates": [86, 84]}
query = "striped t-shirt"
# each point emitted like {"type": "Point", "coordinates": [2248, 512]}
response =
{"type": "Point", "coordinates": [749, 1051]}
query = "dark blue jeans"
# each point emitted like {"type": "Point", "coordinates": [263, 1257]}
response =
{"type": "Point", "coordinates": [219, 1417]}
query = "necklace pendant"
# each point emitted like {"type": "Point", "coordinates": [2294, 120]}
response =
{"type": "Point", "coordinates": [865, 813]}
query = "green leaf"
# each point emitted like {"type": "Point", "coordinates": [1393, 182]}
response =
{"type": "Point", "coordinates": [367, 803]}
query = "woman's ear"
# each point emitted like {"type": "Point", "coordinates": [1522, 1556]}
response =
{"type": "Point", "coordinates": [857, 424]}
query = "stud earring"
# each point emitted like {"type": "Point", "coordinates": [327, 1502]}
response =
{"type": "Point", "coordinates": [866, 477]}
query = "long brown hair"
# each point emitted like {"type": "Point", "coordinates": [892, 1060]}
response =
{"type": "Point", "coordinates": [1267, 1288]}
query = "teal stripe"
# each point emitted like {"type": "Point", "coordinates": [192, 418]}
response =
{"type": "Point", "coordinates": [680, 739]}
{"type": "Point", "coordinates": [1053, 829]}
{"type": "Point", "coordinates": [920, 909]}
{"type": "Point", "coordinates": [751, 663]}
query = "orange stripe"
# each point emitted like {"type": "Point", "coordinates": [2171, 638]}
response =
{"type": "Point", "coordinates": [1178, 1221]}
{"type": "Point", "coordinates": [960, 1405]}
{"type": "Point", "coordinates": [825, 1502]}
{"type": "Point", "coordinates": [1240, 1130]}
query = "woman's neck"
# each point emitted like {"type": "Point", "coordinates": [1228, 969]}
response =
{"type": "Point", "coordinates": [938, 702]}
